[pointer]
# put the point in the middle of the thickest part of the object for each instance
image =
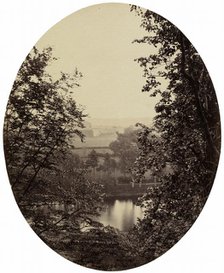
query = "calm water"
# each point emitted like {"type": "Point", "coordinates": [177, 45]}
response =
{"type": "Point", "coordinates": [120, 213]}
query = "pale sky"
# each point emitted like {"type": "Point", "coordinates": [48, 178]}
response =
{"type": "Point", "coordinates": [98, 41]}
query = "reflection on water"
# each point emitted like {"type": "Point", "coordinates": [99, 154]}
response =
{"type": "Point", "coordinates": [121, 214]}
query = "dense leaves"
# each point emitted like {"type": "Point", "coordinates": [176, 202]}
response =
{"type": "Point", "coordinates": [70, 201]}
{"type": "Point", "coordinates": [109, 164]}
{"type": "Point", "coordinates": [125, 147]}
{"type": "Point", "coordinates": [92, 160]}
{"type": "Point", "coordinates": [188, 126]}
{"type": "Point", "coordinates": [49, 182]}
{"type": "Point", "coordinates": [61, 194]}
{"type": "Point", "coordinates": [41, 116]}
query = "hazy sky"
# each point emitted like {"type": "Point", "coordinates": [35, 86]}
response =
{"type": "Point", "coordinates": [98, 41]}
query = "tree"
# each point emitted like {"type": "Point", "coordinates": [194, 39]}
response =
{"type": "Point", "coordinates": [40, 119]}
{"type": "Point", "coordinates": [188, 125]}
{"type": "Point", "coordinates": [92, 160]}
{"type": "Point", "coordinates": [49, 181]}
{"type": "Point", "coordinates": [109, 164]}
{"type": "Point", "coordinates": [70, 187]}
{"type": "Point", "coordinates": [125, 147]}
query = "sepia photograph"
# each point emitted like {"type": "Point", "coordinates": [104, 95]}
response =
{"type": "Point", "coordinates": [112, 136]}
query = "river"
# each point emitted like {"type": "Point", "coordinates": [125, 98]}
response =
{"type": "Point", "coordinates": [120, 213]}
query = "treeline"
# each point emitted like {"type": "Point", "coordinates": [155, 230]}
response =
{"type": "Point", "coordinates": [114, 169]}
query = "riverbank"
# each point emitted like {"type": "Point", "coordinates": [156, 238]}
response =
{"type": "Point", "coordinates": [125, 190]}
{"type": "Point", "coordinates": [122, 195]}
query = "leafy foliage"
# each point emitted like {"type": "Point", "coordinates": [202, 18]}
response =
{"type": "Point", "coordinates": [55, 189]}
{"type": "Point", "coordinates": [70, 200]}
{"type": "Point", "coordinates": [109, 164]}
{"type": "Point", "coordinates": [50, 183]}
{"type": "Point", "coordinates": [92, 160]}
{"type": "Point", "coordinates": [188, 126]}
{"type": "Point", "coordinates": [41, 116]}
{"type": "Point", "coordinates": [125, 147]}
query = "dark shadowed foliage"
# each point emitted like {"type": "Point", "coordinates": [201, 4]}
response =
{"type": "Point", "coordinates": [188, 125]}
{"type": "Point", "coordinates": [63, 190]}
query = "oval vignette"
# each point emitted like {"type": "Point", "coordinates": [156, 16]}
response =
{"type": "Point", "coordinates": [112, 136]}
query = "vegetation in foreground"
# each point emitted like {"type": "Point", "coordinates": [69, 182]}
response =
{"type": "Point", "coordinates": [42, 116]}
